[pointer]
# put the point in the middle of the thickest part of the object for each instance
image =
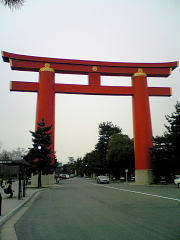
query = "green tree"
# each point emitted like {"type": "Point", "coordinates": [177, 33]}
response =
{"type": "Point", "coordinates": [78, 166]}
{"type": "Point", "coordinates": [70, 166]}
{"type": "Point", "coordinates": [161, 158]}
{"type": "Point", "coordinates": [173, 135]}
{"type": "Point", "coordinates": [74, 166]}
{"type": "Point", "coordinates": [120, 155]}
{"type": "Point", "coordinates": [106, 130]}
{"type": "Point", "coordinates": [90, 163]}
{"type": "Point", "coordinates": [165, 153]}
{"type": "Point", "coordinates": [40, 156]}
{"type": "Point", "coordinates": [65, 168]}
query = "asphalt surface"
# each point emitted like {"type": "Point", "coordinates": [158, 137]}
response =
{"type": "Point", "coordinates": [84, 210]}
{"type": "Point", "coordinates": [9, 206]}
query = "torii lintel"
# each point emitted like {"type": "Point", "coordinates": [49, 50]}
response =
{"type": "Point", "coordinates": [32, 63]}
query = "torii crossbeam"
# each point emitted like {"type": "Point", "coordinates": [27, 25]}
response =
{"type": "Point", "coordinates": [140, 92]}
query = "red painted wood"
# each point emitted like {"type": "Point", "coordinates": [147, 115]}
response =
{"type": "Point", "coordinates": [24, 86]}
{"type": "Point", "coordinates": [83, 69]}
{"type": "Point", "coordinates": [139, 90]}
{"type": "Point", "coordinates": [46, 102]}
{"type": "Point", "coordinates": [6, 56]}
{"type": "Point", "coordinates": [141, 123]}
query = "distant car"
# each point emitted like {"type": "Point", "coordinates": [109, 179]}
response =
{"type": "Point", "coordinates": [64, 176]}
{"type": "Point", "coordinates": [67, 176]}
{"type": "Point", "coordinates": [177, 181]}
{"type": "Point", "coordinates": [103, 179]}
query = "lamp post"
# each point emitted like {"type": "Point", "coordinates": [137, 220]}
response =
{"type": "Point", "coordinates": [39, 174]}
{"type": "Point", "coordinates": [126, 171]}
{"type": "Point", "coordinates": [86, 170]}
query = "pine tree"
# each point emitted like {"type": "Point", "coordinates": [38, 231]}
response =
{"type": "Point", "coordinates": [165, 153]}
{"type": "Point", "coordinates": [173, 135]}
{"type": "Point", "coordinates": [106, 130]}
{"type": "Point", "coordinates": [40, 156]}
{"type": "Point", "coordinates": [13, 3]}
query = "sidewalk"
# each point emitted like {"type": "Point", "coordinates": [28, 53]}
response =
{"type": "Point", "coordinates": [11, 205]}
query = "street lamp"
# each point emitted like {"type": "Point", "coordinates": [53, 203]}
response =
{"type": "Point", "coordinates": [126, 171]}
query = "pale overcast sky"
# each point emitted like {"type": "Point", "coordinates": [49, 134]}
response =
{"type": "Point", "coordinates": [102, 30]}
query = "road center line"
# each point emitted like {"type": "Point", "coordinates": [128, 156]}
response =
{"type": "Point", "coordinates": [137, 192]}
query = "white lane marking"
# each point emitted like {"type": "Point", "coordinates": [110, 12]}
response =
{"type": "Point", "coordinates": [131, 191]}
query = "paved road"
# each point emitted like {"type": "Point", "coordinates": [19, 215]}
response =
{"type": "Point", "coordinates": [83, 210]}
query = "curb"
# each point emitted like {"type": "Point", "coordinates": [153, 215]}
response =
{"type": "Point", "coordinates": [12, 212]}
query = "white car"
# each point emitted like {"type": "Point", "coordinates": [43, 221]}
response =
{"type": "Point", "coordinates": [177, 181]}
{"type": "Point", "coordinates": [103, 179]}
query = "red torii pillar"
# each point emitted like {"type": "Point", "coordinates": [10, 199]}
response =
{"type": "Point", "coordinates": [140, 92]}
{"type": "Point", "coordinates": [142, 127]}
{"type": "Point", "coordinates": [46, 99]}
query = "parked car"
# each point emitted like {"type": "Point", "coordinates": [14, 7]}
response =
{"type": "Point", "coordinates": [64, 176]}
{"type": "Point", "coordinates": [102, 179]}
{"type": "Point", "coordinates": [177, 181]}
{"type": "Point", "coordinates": [67, 176]}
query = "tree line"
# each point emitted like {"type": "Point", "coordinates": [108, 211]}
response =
{"type": "Point", "coordinates": [165, 153]}
{"type": "Point", "coordinates": [113, 153]}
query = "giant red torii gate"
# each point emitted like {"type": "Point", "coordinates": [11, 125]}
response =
{"type": "Point", "coordinates": [46, 89]}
